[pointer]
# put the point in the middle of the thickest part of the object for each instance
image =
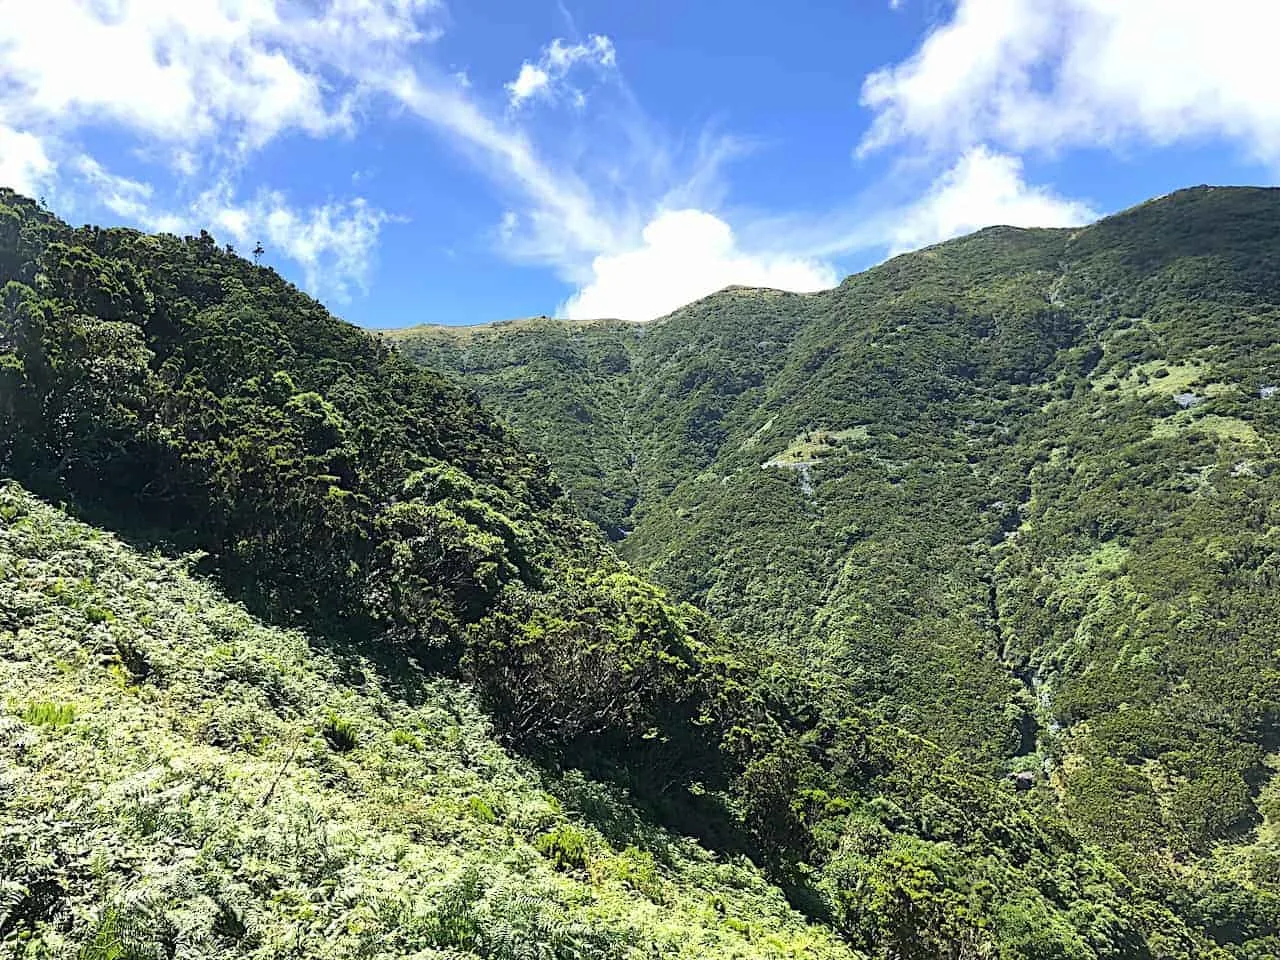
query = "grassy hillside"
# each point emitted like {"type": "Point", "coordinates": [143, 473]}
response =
{"type": "Point", "coordinates": [180, 778]}
{"type": "Point", "coordinates": [1016, 493]}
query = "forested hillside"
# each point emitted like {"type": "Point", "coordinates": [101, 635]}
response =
{"type": "Point", "coordinates": [184, 776]}
{"type": "Point", "coordinates": [1016, 493]}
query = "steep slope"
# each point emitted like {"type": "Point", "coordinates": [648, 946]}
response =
{"type": "Point", "coordinates": [590, 364]}
{"type": "Point", "coordinates": [1015, 492]}
{"type": "Point", "coordinates": [180, 778]}
{"type": "Point", "coordinates": [173, 391]}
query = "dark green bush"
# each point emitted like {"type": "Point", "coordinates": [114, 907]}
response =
{"type": "Point", "coordinates": [341, 734]}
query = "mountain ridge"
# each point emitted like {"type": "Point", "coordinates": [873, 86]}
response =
{"type": "Point", "coordinates": [889, 481]}
{"type": "Point", "coordinates": [992, 230]}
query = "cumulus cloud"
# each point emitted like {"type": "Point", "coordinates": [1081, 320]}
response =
{"type": "Point", "coordinates": [237, 72]}
{"type": "Point", "coordinates": [529, 82]}
{"type": "Point", "coordinates": [544, 79]}
{"type": "Point", "coordinates": [1063, 73]}
{"type": "Point", "coordinates": [982, 189]}
{"type": "Point", "coordinates": [684, 255]}
{"type": "Point", "coordinates": [176, 71]}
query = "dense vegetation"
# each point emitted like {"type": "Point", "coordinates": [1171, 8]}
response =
{"type": "Point", "coordinates": [1016, 493]}
{"type": "Point", "coordinates": [181, 779]}
{"type": "Point", "coordinates": [174, 392]}
{"type": "Point", "coordinates": [892, 573]}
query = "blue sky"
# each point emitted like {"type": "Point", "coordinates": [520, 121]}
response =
{"type": "Point", "coordinates": [412, 161]}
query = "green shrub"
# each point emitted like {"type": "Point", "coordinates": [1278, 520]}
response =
{"type": "Point", "coordinates": [340, 733]}
{"type": "Point", "coordinates": [453, 922]}
{"type": "Point", "coordinates": [479, 808]}
{"type": "Point", "coordinates": [121, 935]}
{"type": "Point", "coordinates": [565, 847]}
{"type": "Point", "coordinates": [403, 738]}
{"type": "Point", "coordinates": [133, 658]}
{"type": "Point", "coordinates": [635, 868]}
{"type": "Point", "coordinates": [96, 614]}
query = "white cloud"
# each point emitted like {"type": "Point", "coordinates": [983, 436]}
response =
{"type": "Point", "coordinates": [24, 164]}
{"type": "Point", "coordinates": [176, 71]}
{"type": "Point", "coordinates": [982, 189]}
{"type": "Point", "coordinates": [529, 82]}
{"type": "Point", "coordinates": [542, 79]}
{"type": "Point", "coordinates": [335, 243]}
{"type": "Point", "coordinates": [684, 255]}
{"type": "Point", "coordinates": [229, 75]}
{"type": "Point", "coordinates": [1061, 73]}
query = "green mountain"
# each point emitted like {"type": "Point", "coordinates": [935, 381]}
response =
{"type": "Point", "coordinates": [1016, 493]}
{"type": "Point", "coordinates": [305, 654]}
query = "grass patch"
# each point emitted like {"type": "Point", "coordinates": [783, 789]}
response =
{"type": "Point", "coordinates": [812, 445]}
{"type": "Point", "coordinates": [46, 713]}
{"type": "Point", "coordinates": [565, 847]}
{"type": "Point", "coordinates": [1160, 378]}
{"type": "Point", "coordinates": [1221, 428]}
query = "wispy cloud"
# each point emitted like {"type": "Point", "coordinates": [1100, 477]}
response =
{"type": "Point", "coordinates": [335, 243]}
{"type": "Point", "coordinates": [129, 198]}
{"type": "Point", "coordinates": [545, 78]}
{"type": "Point", "coordinates": [559, 217]}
